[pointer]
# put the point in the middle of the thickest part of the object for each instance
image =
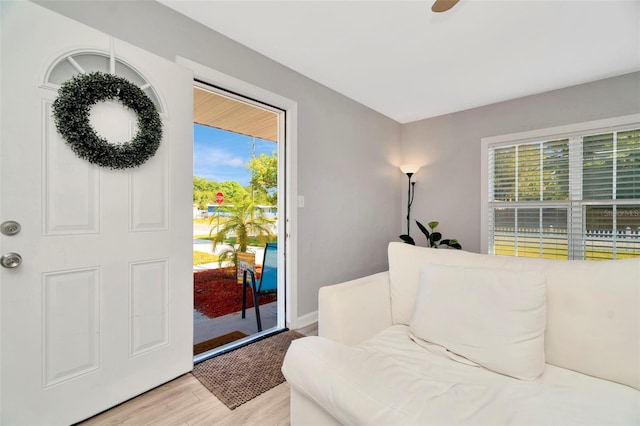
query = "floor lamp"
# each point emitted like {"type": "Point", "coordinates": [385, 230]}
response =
{"type": "Point", "coordinates": [410, 170]}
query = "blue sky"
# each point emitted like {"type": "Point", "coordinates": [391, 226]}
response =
{"type": "Point", "coordinates": [220, 155]}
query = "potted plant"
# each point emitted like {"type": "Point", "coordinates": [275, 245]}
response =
{"type": "Point", "coordinates": [434, 239]}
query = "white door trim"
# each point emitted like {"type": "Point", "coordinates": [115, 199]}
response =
{"type": "Point", "coordinates": [286, 204]}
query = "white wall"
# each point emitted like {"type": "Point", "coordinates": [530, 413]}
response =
{"type": "Point", "coordinates": [448, 147]}
{"type": "Point", "coordinates": [347, 153]}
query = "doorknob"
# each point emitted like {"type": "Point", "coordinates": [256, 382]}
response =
{"type": "Point", "coordinates": [10, 260]}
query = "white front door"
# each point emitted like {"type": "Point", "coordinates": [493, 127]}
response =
{"type": "Point", "coordinates": [100, 309]}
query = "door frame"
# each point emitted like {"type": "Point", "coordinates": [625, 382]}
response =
{"type": "Point", "coordinates": [288, 222]}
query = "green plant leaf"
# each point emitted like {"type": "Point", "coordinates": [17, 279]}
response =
{"type": "Point", "coordinates": [435, 237]}
{"type": "Point", "coordinates": [451, 243]}
{"type": "Point", "coordinates": [407, 239]}
{"type": "Point", "coordinates": [423, 229]}
{"type": "Point", "coordinates": [433, 224]}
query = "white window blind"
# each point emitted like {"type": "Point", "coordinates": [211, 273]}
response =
{"type": "Point", "coordinates": [571, 197]}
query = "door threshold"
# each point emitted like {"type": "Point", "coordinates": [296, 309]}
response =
{"type": "Point", "coordinates": [237, 344]}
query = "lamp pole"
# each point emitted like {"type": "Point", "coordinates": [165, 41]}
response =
{"type": "Point", "coordinates": [410, 170]}
{"type": "Point", "coordinates": [410, 193]}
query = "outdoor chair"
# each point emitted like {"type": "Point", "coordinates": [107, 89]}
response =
{"type": "Point", "coordinates": [268, 280]}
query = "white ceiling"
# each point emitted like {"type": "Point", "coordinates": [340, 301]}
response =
{"type": "Point", "coordinates": [408, 63]}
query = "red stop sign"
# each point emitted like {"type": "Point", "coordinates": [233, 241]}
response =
{"type": "Point", "coordinates": [219, 198]}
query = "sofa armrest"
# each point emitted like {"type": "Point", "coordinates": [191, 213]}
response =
{"type": "Point", "coordinates": [353, 311]}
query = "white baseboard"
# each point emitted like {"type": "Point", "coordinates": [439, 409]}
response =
{"type": "Point", "coordinates": [307, 319]}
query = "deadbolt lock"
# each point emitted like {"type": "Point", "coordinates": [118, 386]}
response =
{"type": "Point", "coordinates": [10, 227]}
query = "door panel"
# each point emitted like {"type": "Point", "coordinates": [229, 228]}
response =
{"type": "Point", "coordinates": [71, 324]}
{"type": "Point", "coordinates": [149, 294]}
{"type": "Point", "coordinates": [71, 188]}
{"type": "Point", "coordinates": [100, 310]}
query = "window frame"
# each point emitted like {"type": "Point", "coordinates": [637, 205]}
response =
{"type": "Point", "coordinates": [570, 132]}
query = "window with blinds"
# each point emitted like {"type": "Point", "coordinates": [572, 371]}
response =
{"type": "Point", "coordinates": [574, 197]}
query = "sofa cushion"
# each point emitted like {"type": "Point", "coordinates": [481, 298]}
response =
{"type": "Point", "coordinates": [390, 380]}
{"type": "Point", "coordinates": [593, 307]}
{"type": "Point", "coordinates": [405, 266]}
{"type": "Point", "coordinates": [493, 317]}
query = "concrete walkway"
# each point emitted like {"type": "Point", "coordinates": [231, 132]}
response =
{"type": "Point", "coordinates": [205, 328]}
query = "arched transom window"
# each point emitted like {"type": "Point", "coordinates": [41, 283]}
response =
{"type": "Point", "coordinates": [91, 61]}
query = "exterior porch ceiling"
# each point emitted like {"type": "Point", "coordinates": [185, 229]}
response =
{"type": "Point", "coordinates": [214, 110]}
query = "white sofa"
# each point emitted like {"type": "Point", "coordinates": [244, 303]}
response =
{"type": "Point", "coordinates": [366, 367]}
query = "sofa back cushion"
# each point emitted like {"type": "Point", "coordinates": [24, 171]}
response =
{"type": "Point", "coordinates": [495, 318]}
{"type": "Point", "coordinates": [593, 307]}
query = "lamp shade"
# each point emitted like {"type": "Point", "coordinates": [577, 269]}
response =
{"type": "Point", "coordinates": [410, 168]}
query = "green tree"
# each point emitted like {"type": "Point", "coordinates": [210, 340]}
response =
{"type": "Point", "coordinates": [204, 192]}
{"type": "Point", "coordinates": [628, 161]}
{"type": "Point", "coordinates": [264, 177]}
{"type": "Point", "coordinates": [234, 193]}
{"type": "Point", "coordinates": [241, 220]}
{"type": "Point", "coordinates": [229, 254]}
{"type": "Point", "coordinates": [531, 172]}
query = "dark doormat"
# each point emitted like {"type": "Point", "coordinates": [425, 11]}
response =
{"type": "Point", "coordinates": [207, 345]}
{"type": "Point", "coordinates": [240, 375]}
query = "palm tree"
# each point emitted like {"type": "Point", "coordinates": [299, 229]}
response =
{"type": "Point", "coordinates": [241, 220]}
{"type": "Point", "coordinates": [229, 254]}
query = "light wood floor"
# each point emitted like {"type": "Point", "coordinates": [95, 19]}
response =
{"type": "Point", "coordinates": [186, 402]}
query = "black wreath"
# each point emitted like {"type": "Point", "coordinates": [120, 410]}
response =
{"type": "Point", "coordinates": [71, 112]}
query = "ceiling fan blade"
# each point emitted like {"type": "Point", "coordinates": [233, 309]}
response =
{"type": "Point", "coordinates": [443, 5]}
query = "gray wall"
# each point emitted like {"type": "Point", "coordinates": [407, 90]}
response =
{"type": "Point", "coordinates": [448, 147]}
{"type": "Point", "coordinates": [347, 153]}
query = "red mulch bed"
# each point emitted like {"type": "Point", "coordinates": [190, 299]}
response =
{"type": "Point", "coordinates": [216, 293]}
